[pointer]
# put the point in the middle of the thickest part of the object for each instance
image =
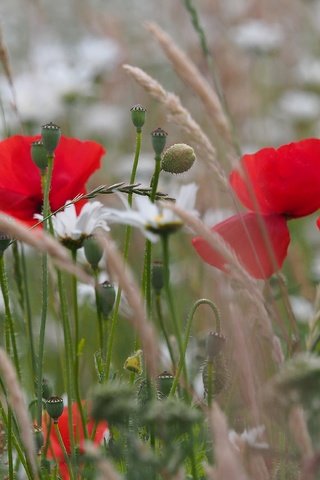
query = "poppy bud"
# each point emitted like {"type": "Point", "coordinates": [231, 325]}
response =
{"type": "Point", "coordinates": [178, 158]}
{"type": "Point", "coordinates": [50, 134]}
{"type": "Point", "coordinates": [157, 280]}
{"type": "Point", "coordinates": [159, 138]}
{"type": "Point", "coordinates": [39, 155]}
{"type": "Point", "coordinates": [164, 383]}
{"type": "Point", "coordinates": [92, 251]}
{"type": "Point", "coordinates": [5, 241]}
{"type": "Point", "coordinates": [134, 363]}
{"type": "Point", "coordinates": [215, 343]}
{"type": "Point", "coordinates": [54, 406]}
{"type": "Point", "coordinates": [215, 371]}
{"type": "Point", "coordinates": [106, 297]}
{"type": "Point", "coordinates": [38, 437]}
{"type": "Point", "coordinates": [138, 116]}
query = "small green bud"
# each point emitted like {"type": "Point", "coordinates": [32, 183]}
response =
{"type": "Point", "coordinates": [134, 363]}
{"type": "Point", "coordinates": [54, 406]}
{"type": "Point", "coordinates": [50, 134]}
{"type": "Point", "coordinates": [164, 383]}
{"type": "Point", "coordinates": [217, 372]}
{"type": "Point", "coordinates": [106, 297]}
{"type": "Point", "coordinates": [138, 116]}
{"type": "Point", "coordinates": [157, 280]}
{"type": "Point", "coordinates": [178, 158]}
{"type": "Point", "coordinates": [5, 241]}
{"type": "Point", "coordinates": [92, 251]}
{"type": "Point", "coordinates": [159, 138]}
{"type": "Point", "coordinates": [39, 155]}
{"type": "Point", "coordinates": [215, 344]}
{"type": "Point", "coordinates": [38, 437]}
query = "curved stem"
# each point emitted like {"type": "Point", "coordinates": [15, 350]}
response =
{"type": "Point", "coordinates": [76, 342]}
{"type": "Point", "coordinates": [116, 307]}
{"type": "Point", "coordinates": [202, 301]}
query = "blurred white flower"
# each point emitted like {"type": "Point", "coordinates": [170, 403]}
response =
{"type": "Point", "coordinates": [248, 438]}
{"type": "Point", "coordinates": [302, 308]}
{"type": "Point", "coordinates": [97, 54]}
{"type": "Point", "coordinates": [71, 228]}
{"type": "Point", "coordinates": [153, 219]}
{"type": "Point", "coordinates": [300, 106]}
{"type": "Point", "coordinates": [307, 72]}
{"type": "Point", "coordinates": [258, 36]}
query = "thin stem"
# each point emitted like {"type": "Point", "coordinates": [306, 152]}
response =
{"type": "Point", "coordinates": [27, 309]}
{"type": "Point", "coordinates": [116, 307]}
{"type": "Point", "coordinates": [46, 185]}
{"type": "Point", "coordinates": [164, 330]}
{"type": "Point", "coordinates": [68, 354]}
{"type": "Point", "coordinates": [9, 445]}
{"type": "Point", "coordinates": [63, 448]}
{"type": "Point", "coordinates": [76, 342]}
{"type": "Point", "coordinates": [171, 305]}
{"type": "Point", "coordinates": [155, 178]}
{"type": "Point", "coordinates": [10, 331]}
{"type": "Point", "coordinates": [202, 301]}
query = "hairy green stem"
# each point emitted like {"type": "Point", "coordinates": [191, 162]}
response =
{"type": "Point", "coordinates": [27, 309]}
{"type": "Point", "coordinates": [116, 307]}
{"type": "Point", "coordinates": [63, 448]}
{"type": "Point", "coordinates": [76, 342]}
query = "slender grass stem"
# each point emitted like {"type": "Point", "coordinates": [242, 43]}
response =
{"type": "Point", "coordinates": [9, 445]}
{"type": "Point", "coordinates": [76, 342]}
{"type": "Point", "coordinates": [9, 329]}
{"type": "Point", "coordinates": [164, 330]}
{"type": "Point", "coordinates": [116, 307]}
{"type": "Point", "coordinates": [27, 309]}
{"type": "Point", "coordinates": [63, 448]}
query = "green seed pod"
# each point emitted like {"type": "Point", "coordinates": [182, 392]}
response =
{"type": "Point", "coordinates": [106, 295]}
{"type": "Point", "coordinates": [159, 138]}
{"type": "Point", "coordinates": [51, 135]}
{"type": "Point", "coordinates": [38, 437]}
{"type": "Point", "coordinates": [215, 344]}
{"type": "Point", "coordinates": [138, 116]}
{"type": "Point", "coordinates": [39, 155]}
{"type": "Point", "coordinates": [178, 158]}
{"type": "Point", "coordinates": [134, 363]}
{"type": "Point", "coordinates": [217, 370]}
{"type": "Point", "coordinates": [54, 406]}
{"type": "Point", "coordinates": [164, 384]}
{"type": "Point", "coordinates": [92, 251]}
{"type": "Point", "coordinates": [157, 280]}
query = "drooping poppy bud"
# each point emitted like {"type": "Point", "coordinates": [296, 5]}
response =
{"type": "Point", "coordinates": [92, 251]}
{"type": "Point", "coordinates": [178, 158]}
{"type": "Point", "coordinates": [215, 344]}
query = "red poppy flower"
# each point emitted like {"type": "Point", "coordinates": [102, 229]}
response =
{"type": "Point", "coordinates": [20, 187]}
{"type": "Point", "coordinates": [244, 234]}
{"type": "Point", "coordinates": [283, 181]}
{"type": "Point", "coordinates": [55, 452]}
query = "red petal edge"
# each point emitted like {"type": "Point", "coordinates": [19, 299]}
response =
{"type": "Point", "coordinates": [243, 234]}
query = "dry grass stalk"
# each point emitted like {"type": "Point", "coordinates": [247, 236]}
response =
{"type": "Point", "coordinates": [139, 320]}
{"type": "Point", "coordinates": [19, 407]}
{"type": "Point", "coordinates": [4, 59]}
{"type": "Point", "coordinates": [228, 464]}
{"type": "Point", "coordinates": [180, 116]}
{"type": "Point", "coordinates": [107, 472]}
{"type": "Point", "coordinates": [299, 430]}
{"type": "Point", "coordinates": [191, 75]}
{"type": "Point", "coordinates": [44, 243]}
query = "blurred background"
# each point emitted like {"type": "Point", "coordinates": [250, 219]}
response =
{"type": "Point", "coordinates": [65, 65]}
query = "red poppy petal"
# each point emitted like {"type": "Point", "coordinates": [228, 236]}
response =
{"type": "Point", "coordinates": [74, 162]}
{"type": "Point", "coordinates": [243, 234]}
{"type": "Point", "coordinates": [284, 180]}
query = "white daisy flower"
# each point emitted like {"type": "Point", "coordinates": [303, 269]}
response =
{"type": "Point", "coordinates": [249, 438]}
{"type": "Point", "coordinates": [72, 229]}
{"type": "Point", "coordinates": [153, 219]}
